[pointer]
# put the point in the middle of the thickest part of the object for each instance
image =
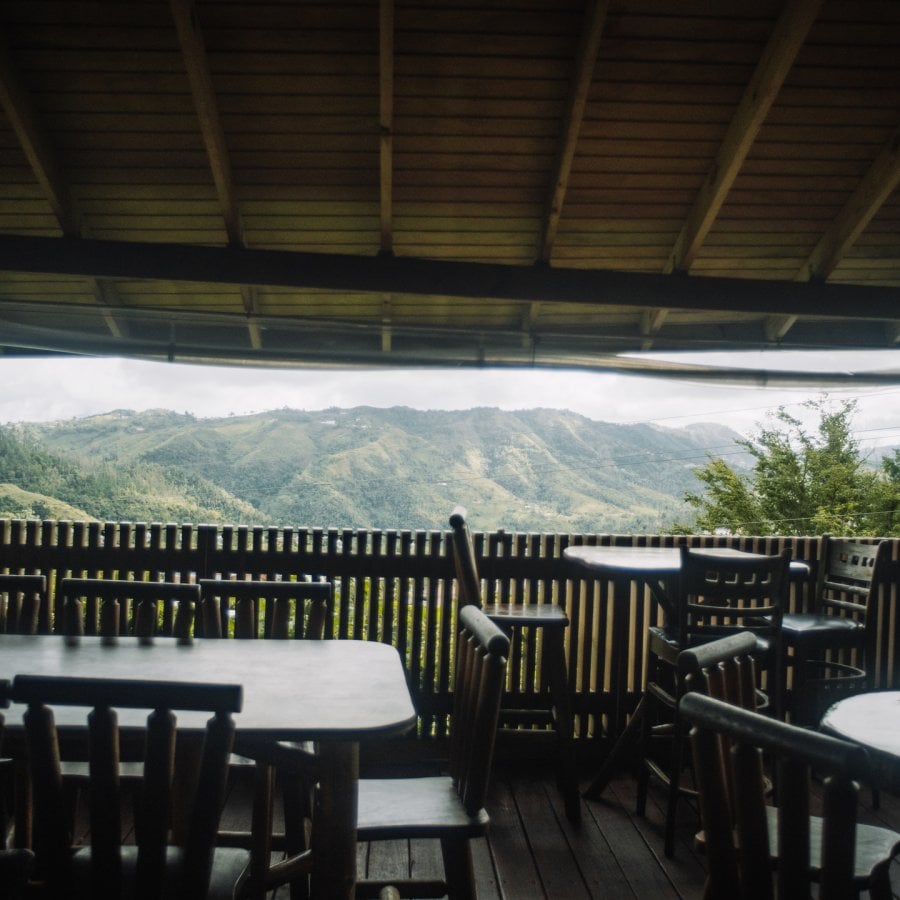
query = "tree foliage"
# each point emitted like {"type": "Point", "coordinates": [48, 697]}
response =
{"type": "Point", "coordinates": [803, 481]}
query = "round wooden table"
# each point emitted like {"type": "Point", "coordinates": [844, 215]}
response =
{"type": "Point", "coordinates": [657, 568]}
{"type": "Point", "coordinates": [872, 720]}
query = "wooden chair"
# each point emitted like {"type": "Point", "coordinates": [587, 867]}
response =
{"type": "Point", "coordinates": [275, 610]}
{"type": "Point", "coordinates": [449, 808]}
{"type": "Point", "coordinates": [846, 587]}
{"type": "Point", "coordinates": [268, 609]}
{"type": "Point", "coordinates": [718, 595]}
{"type": "Point", "coordinates": [745, 840]}
{"type": "Point", "coordinates": [110, 606]}
{"type": "Point", "coordinates": [544, 622]}
{"type": "Point", "coordinates": [22, 597]}
{"type": "Point", "coordinates": [151, 867]}
{"type": "Point", "coordinates": [725, 670]}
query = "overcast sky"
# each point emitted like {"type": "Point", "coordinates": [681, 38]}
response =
{"type": "Point", "coordinates": [61, 388]}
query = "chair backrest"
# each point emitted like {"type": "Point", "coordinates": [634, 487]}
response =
{"type": "Point", "coordinates": [110, 606]}
{"type": "Point", "coordinates": [724, 669]}
{"type": "Point", "coordinates": [467, 578]}
{"type": "Point", "coordinates": [481, 656]}
{"type": "Point", "coordinates": [56, 862]}
{"type": "Point", "coordinates": [848, 576]}
{"type": "Point", "coordinates": [722, 594]}
{"type": "Point", "coordinates": [725, 594]}
{"type": "Point", "coordinates": [22, 597]}
{"type": "Point", "coordinates": [728, 745]}
{"type": "Point", "coordinates": [270, 609]}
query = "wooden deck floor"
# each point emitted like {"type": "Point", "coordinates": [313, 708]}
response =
{"type": "Point", "coordinates": [534, 852]}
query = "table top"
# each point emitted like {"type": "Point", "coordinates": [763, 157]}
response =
{"type": "Point", "coordinates": [646, 562]}
{"type": "Point", "coordinates": [292, 690]}
{"type": "Point", "coordinates": [870, 719]}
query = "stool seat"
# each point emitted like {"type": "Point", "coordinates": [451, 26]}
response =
{"type": "Point", "coordinates": [813, 626]}
{"type": "Point", "coordinates": [536, 615]}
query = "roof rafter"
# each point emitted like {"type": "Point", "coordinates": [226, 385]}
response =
{"type": "Point", "coordinates": [196, 64]}
{"type": "Point", "coordinates": [386, 121]}
{"type": "Point", "coordinates": [586, 59]}
{"type": "Point", "coordinates": [38, 149]}
{"type": "Point", "coordinates": [35, 143]}
{"type": "Point", "coordinates": [772, 68]}
{"type": "Point", "coordinates": [879, 182]}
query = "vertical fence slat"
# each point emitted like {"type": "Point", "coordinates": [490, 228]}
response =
{"type": "Point", "coordinates": [398, 587]}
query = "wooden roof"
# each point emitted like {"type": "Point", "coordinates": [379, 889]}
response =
{"type": "Point", "coordinates": [448, 181]}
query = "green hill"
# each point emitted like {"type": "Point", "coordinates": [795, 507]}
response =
{"type": "Point", "coordinates": [537, 470]}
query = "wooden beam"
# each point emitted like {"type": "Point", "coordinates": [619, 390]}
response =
{"type": "Point", "coordinates": [777, 58]}
{"type": "Point", "coordinates": [530, 316]}
{"type": "Point", "coordinates": [444, 278]}
{"type": "Point", "coordinates": [251, 307]}
{"type": "Point", "coordinates": [107, 297]}
{"type": "Point", "coordinates": [196, 64]}
{"type": "Point", "coordinates": [777, 326]}
{"type": "Point", "coordinates": [35, 143]}
{"type": "Point", "coordinates": [386, 113]}
{"type": "Point", "coordinates": [38, 149]}
{"type": "Point", "coordinates": [195, 61]}
{"type": "Point", "coordinates": [774, 64]}
{"type": "Point", "coordinates": [586, 60]}
{"type": "Point", "coordinates": [386, 319]}
{"type": "Point", "coordinates": [879, 182]}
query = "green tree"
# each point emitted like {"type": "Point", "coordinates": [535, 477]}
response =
{"type": "Point", "coordinates": [802, 482]}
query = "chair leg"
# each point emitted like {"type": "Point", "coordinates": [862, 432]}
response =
{"type": "Point", "coordinates": [297, 803]}
{"type": "Point", "coordinates": [880, 883]}
{"type": "Point", "coordinates": [554, 654]}
{"type": "Point", "coordinates": [459, 871]}
{"type": "Point", "coordinates": [261, 829]}
{"type": "Point", "coordinates": [678, 747]}
{"type": "Point", "coordinates": [649, 703]}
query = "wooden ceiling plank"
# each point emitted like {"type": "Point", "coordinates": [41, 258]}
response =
{"type": "Point", "coordinates": [774, 64]}
{"type": "Point", "coordinates": [586, 59]}
{"type": "Point", "coordinates": [386, 113]}
{"type": "Point", "coordinates": [876, 186]}
{"type": "Point", "coordinates": [35, 143]}
{"type": "Point", "coordinates": [196, 64]}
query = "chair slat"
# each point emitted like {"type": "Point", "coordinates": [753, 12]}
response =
{"type": "Point", "coordinates": [65, 870]}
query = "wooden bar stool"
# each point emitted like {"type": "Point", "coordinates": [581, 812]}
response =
{"type": "Point", "coordinates": [550, 621]}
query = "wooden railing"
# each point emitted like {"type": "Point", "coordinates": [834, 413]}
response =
{"type": "Point", "coordinates": [398, 587]}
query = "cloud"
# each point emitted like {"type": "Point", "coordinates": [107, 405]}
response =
{"type": "Point", "coordinates": [46, 389]}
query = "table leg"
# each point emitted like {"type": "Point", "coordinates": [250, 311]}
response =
{"type": "Point", "coordinates": [619, 668]}
{"type": "Point", "coordinates": [334, 823]}
{"type": "Point", "coordinates": [567, 773]}
{"type": "Point", "coordinates": [621, 752]}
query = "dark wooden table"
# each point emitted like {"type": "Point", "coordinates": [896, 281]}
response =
{"type": "Point", "coordinates": [873, 720]}
{"type": "Point", "coordinates": [334, 692]}
{"type": "Point", "coordinates": [657, 568]}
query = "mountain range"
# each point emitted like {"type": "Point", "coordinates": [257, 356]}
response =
{"type": "Point", "coordinates": [534, 470]}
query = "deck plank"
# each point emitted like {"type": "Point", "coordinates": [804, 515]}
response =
{"type": "Point", "coordinates": [532, 850]}
{"type": "Point", "coordinates": [559, 870]}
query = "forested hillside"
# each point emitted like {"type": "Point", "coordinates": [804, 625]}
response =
{"type": "Point", "coordinates": [539, 470]}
